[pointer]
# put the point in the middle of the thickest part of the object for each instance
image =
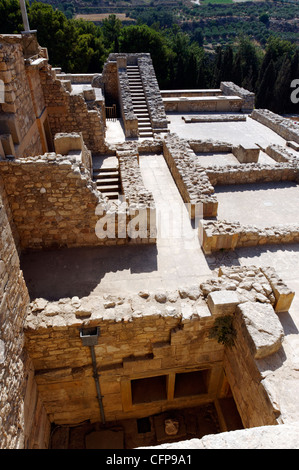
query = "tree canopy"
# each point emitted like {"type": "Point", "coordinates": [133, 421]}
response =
{"type": "Point", "coordinates": [179, 59]}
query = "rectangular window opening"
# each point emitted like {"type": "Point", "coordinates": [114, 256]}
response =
{"type": "Point", "coordinates": [191, 383]}
{"type": "Point", "coordinates": [149, 389]}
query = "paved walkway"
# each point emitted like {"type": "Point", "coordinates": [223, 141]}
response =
{"type": "Point", "coordinates": [177, 259]}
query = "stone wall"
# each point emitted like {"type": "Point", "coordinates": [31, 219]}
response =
{"type": "Point", "coordinates": [252, 173]}
{"type": "Point", "coordinates": [150, 335]}
{"type": "Point", "coordinates": [54, 203]}
{"type": "Point", "coordinates": [202, 104]}
{"type": "Point", "coordinates": [220, 234]}
{"type": "Point", "coordinates": [191, 180]}
{"type": "Point", "coordinates": [284, 127]}
{"type": "Point", "coordinates": [138, 199]}
{"type": "Point", "coordinates": [18, 117]}
{"type": "Point", "coordinates": [248, 98]}
{"type": "Point", "coordinates": [24, 423]}
{"type": "Point", "coordinates": [152, 92]}
{"type": "Point", "coordinates": [281, 154]}
{"type": "Point", "coordinates": [126, 105]}
{"type": "Point", "coordinates": [68, 112]}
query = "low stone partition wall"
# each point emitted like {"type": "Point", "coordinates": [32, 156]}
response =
{"type": "Point", "coordinates": [209, 146]}
{"type": "Point", "coordinates": [154, 336]}
{"type": "Point", "coordinates": [152, 92]}
{"type": "Point", "coordinates": [77, 78]}
{"type": "Point", "coordinates": [215, 118]}
{"type": "Point", "coordinates": [183, 93]}
{"type": "Point", "coordinates": [248, 98]}
{"type": "Point", "coordinates": [189, 104]}
{"type": "Point", "coordinates": [252, 173]}
{"type": "Point", "coordinates": [191, 180]}
{"type": "Point", "coordinates": [219, 234]}
{"type": "Point", "coordinates": [126, 104]}
{"type": "Point", "coordinates": [138, 200]}
{"type": "Point", "coordinates": [284, 127]}
{"type": "Point", "coordinates": [281, 154]}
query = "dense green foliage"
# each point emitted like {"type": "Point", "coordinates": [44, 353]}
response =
{"type": "Point", "coordinates": [178, 56]}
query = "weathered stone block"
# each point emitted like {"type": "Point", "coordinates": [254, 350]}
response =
{"type": "Point", "coordinates": [222, 302]}
{"type": "Point", "coordinates": [264, 330]}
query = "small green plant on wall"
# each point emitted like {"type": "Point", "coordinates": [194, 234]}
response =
{"type": "Point", "coordinates": [224, 331]}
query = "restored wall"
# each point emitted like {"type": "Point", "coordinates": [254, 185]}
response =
{"type": "Point", "coordinates": [18, 116]}
{"type": "Point", "coordinates": [68, 112]}
{"type": "Point", "coordinates": [131, 345]}
{"type": "Point", "coordinates": [152, 334]}
{"type": "Point", "coordinates": [54, 203]}
{"type": "Point", "coordinates": [248, 98]}
{"type": "Point", "coordinates": [24, 423]}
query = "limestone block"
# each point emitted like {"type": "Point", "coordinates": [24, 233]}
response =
{"type": "Point", "coordinates": [66, 142]}
{"type": "Point", "coordinates": [282, 293]}
{"type": "Point", "coordinates": [247, 154]}
{"type": "Point", "coordinates": [293, 145]}
{"type": "Point", "coordinates": [222, 302]}
{"type": "Point", "coordinates": [264, 330]}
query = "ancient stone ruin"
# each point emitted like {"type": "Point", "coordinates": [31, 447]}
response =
{"type": "Point", "coordinates": [139, 307]}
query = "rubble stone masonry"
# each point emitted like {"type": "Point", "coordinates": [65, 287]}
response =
{"type": "Point", "coordinates": [152, 334]}
{"type": "Point", "coordinates": [18, 117]}
{"type": "Point", "coordinates": [23, 423]}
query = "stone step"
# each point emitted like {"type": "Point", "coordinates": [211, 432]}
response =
{"type": "Point", "coordinates": [106, 174]}
{"type": "Point", "coordinates": [162, 129]}
{"type": "Point", "coordinates": [146, 124]}
{"type": "Point", "coordinates": [139, 106]}
{"type": "Point", "coordinates": [146, 134]}
{"type": "Point", "coordinates": [107, 188]}
{"type": "Point", "coordinates": [108, 181]}
{"type": "Point", "coordinates": [113, 195]}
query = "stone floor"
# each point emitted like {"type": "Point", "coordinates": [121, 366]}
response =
{"type": "Point", "coordinates": [177, 259]}
{"type": "Point", "coordinates": [223, 159]}
{"type": "Point", "coordinates": [241, 132]}
{"type": "Point", "coordinates": [260, 204]}
{"type": "Point", "coordinates": [131, 433]}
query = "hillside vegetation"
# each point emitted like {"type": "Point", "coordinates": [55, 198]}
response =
{"type": "Point", "coordinates": [179, 56]}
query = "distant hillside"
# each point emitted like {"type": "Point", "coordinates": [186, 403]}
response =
{"type": "Point", "coordinates": [219, 21]}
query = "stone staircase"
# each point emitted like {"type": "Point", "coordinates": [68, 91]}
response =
{"type": "Point", "coordinates": [139, 102]}
{"type": "Point", "coordinates": [107, 177]}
